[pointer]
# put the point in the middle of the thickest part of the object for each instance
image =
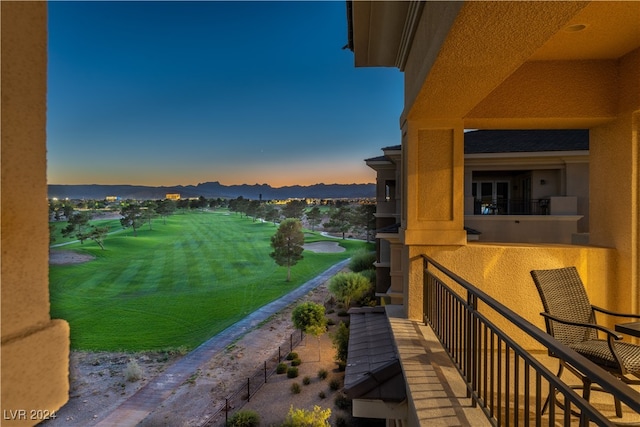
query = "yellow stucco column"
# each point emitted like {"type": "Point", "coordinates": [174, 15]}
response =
{"type": "Point", "coordinates": [433, 197]}
{"type": "Point", "coordinates": [433, 160]}
{"type": "Point", "coordinates": [615, 189]}
{"type": "Point", "coordinates": [35, 349]}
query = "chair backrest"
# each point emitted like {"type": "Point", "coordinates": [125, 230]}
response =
{"type": "Point", "coordinates": [563, 295]}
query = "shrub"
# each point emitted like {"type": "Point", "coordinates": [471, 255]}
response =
{"type": "Point", "coordinates": [292, 372]}
{"type": "Point", "coordinates": [330, 322]}
{"type": "Point", "coordinates": [132, 372]}
{"type": "Point", "coordinates": [342, 402]}
{"type": "Point", "coordinates": [300, 417]}
{"type": "Point", "coordinates": [281, 368]}
{"type": "Point", "coordinates": [292, 356]}
{"type": "Point", "coordinates": [245, 418]}
{"type": "Point", "coordinates": [334, 384]}
{"type": "Point", "coordinates": [306, 381]}
{"type": "Point", "coordinates": [323, 374]}
{"type": "Point", "coordinates": [295, 388]}
{"type": "Point", "coordinates": [322, 395]}
{"type": "Point", "coordinates": [349, 286]}
{"type": "Point", "coordinates": [340, 341]}
{"type": "Point", "coordinates": [362, 260]}
{"type": "Point", "coordinates": [296, 362]}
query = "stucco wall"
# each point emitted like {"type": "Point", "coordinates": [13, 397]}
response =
{"type": "Point", "coordinates": [35, 349]}
{"type": "Point", "coordinates": [503, 271]}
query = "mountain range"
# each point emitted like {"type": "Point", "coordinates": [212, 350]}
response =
{"type": "Point", "coordinates": [212, 190]}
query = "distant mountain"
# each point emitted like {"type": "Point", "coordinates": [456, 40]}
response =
{"type": "Point", "coordinates": [214, 190]}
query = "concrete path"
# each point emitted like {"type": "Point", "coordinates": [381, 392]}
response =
{"type": "Point", "coordinates": [149, 397]}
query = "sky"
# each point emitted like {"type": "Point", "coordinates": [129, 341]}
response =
{"type": "Point", "coordinates": [179, 93]}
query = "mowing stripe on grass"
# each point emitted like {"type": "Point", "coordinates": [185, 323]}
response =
{"type": "Point", "coordinates": [177, 284]}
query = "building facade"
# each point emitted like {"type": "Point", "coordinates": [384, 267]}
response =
{"type": "Point", "coordinates": [511, 66]}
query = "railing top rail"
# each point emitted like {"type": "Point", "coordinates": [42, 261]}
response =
{"type": "Point", "coordinates": [622, 391]}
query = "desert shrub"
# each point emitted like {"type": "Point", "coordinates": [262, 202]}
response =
{"type": "Point", "coordinates": [322, 395]}
{"type": "Point", "coordinates": [292, 372]}
{"type": "Point", "coordinates": [132, 372]}
{"type": "Point", "coordinates": [281, 368]}
{"type": "Point", "coordinates": [245, 418]}
{"type": "Point", "coordinates": [342, 402]}
{"type": "Point", "coordinates": [334, 384]}
{"type": "Point", "coordinates": [348, 287]}
{"type": "Point", "coordinates": [370, 275]}
{"type": "Point", "coordinates": [340, 339]}
{"type": "Point", "coordinates": [301, 417]}
{"type": "Point", "coordinates": [362, 260]}
{"type": "Point", "coordinates": [296, 362]}
{"type": "Point", "coordinates": [323, 374]}
{"type": "Point", "coordinates": [295, 388]}
{"type": "Point", "coordinates": [292, 355]}
{"type": "Point", "coordinates": [306, 381]}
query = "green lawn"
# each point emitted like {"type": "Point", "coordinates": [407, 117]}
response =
{"type": "Point", "coordinates": [176, 285]}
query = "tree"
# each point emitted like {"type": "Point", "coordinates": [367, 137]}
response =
{"type": "Point", "coordinates": [314, 216]}
{"type": "Point", "coordinates": [309, 318]}
{"type": "Point", "coordinates": [364, 218]}
{"type": "Point", "coordinates": [98, 234]}
{"type": "Point", "coordinates": [349, 286]}
{"type": "Point", "coordinates": [149, 213]}
{"type": "Point", "coordinates": [77, 225]}
{"type": "Point", "coordinates": [341, 220]}
{"type": "Point", "coordinates": [165, 208]}
{"type": "Point", "coordinates": [271, 213]}
{"type": "Point", "coordinates": [238, 204]}
{"type": "Point", "coordinates": [254, 209]}
{"type": "Point", "coordinates": [287, 244]}
{"type": "Point", "coordinates": [131, 217]}
{"type": "Point", "coordinates": [294, 209]}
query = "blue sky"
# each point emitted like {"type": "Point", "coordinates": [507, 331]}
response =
{"type": "Point", "coordinates": [168, 93]}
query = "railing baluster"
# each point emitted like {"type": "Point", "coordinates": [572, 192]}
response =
{"type": "Point", "coordinates": [493, 370]}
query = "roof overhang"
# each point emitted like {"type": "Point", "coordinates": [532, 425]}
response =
{"type": "Point", "coordinates": [505, 64]}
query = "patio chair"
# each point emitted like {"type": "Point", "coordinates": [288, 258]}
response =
{"type": "Point", "coordinates": [571, 319]}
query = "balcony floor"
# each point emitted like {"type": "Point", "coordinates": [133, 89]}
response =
{"type": "Point", "coordinates": [437, 390]}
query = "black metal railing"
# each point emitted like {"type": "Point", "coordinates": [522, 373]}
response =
{"type": "Point", "coordinates": [246, 389]}
{"type": "Point", "coordinates": [506, 381]}
{"type": "Point", "coordinates": [511, 207]}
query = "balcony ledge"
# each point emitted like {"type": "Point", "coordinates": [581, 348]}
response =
{"type": "Point", "coordinates": [434, 385]}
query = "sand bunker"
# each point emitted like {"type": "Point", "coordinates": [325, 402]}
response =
{"type": "Point", "coordinates": [324, 247]}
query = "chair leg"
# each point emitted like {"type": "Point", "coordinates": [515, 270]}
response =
{"type": "Point", "coordinates": [618, 407]}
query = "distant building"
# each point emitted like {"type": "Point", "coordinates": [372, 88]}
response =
{"type": "Point", "coordinates": [172, 197]}
{"type": "Point", "coordinates": [112, 198]}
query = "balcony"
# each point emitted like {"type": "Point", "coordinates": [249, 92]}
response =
{"type": "Point", "coordinates": [548, 220]}
{"type": "Point", "coordinates": [500, 378]}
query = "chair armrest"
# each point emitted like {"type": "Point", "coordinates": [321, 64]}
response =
{"type": "Point", "coordinates": [608, 331]}
{"type": "Point", "coordinates": [613, 313]}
